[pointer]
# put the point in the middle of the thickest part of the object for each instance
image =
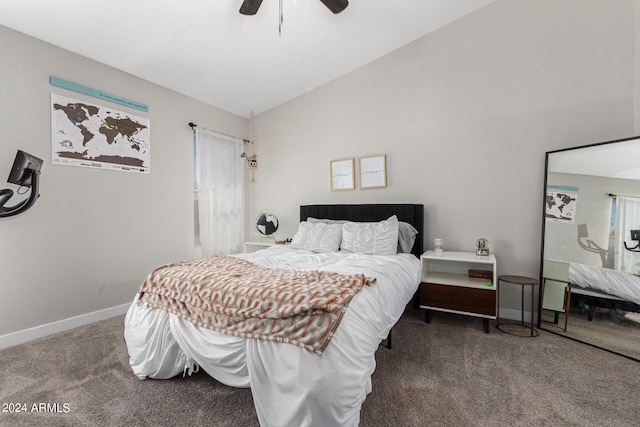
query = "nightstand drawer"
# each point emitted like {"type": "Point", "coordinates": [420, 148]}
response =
{"type": "Point", "coordinates": [471, 300]}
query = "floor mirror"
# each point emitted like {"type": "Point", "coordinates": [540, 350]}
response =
{"type": "Point", "coordinates": [590, 263]}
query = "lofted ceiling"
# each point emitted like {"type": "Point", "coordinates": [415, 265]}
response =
{"type": "Point", "coordinates": [207, 50]}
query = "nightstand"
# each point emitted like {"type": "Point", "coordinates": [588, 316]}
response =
{"type": "Point", "coordinates": [459, 282]}
{"type": "Point", "coordinates": [256, 246]}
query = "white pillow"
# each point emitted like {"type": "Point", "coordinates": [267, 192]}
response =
{"type": "Point", "coordinates": [406, 232]}
{"type": "Point", "coordinates": [379, 238]}
{"type": "Point", "coordinates": [317, 237]}
{"type": "Point", "coordinates": [406, 237]}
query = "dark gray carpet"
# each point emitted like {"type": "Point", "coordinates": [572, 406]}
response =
{"type": "Point", "coordinates": [447, 373]}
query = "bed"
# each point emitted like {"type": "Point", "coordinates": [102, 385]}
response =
{"type": "Point", "coordinates": [603, 288]}
{"type": "Point", "coordinates": [293, 382]}
{"type": "Point", "coordinates": [590, 287]}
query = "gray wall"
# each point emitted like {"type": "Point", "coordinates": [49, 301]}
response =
{"type": "Point", "coordinates": [94, 235]}
{"type": "Point", "coordinates": [637, 71]}
{"type": "Point", "coordinates": [465, 116]}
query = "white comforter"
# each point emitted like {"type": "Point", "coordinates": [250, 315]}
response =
{"type": "Point", "coordinates": [613, 282]}
{"type": "Point", "coordinates": [290, 385]}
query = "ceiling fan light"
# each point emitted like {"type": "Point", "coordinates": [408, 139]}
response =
{"type": "Point", "coordinates": [336, 6]}
{"type": "Point", "coordinates": [250, 7]}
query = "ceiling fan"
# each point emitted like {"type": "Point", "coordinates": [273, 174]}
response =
{"type": "Point", "coordinates": [250, 7]}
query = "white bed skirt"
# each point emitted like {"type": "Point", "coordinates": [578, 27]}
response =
{"type": "Point", "coordinates": [291, 386]}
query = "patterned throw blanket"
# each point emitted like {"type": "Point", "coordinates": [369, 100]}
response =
{"type": "Point", "coordinates": [234, 296]}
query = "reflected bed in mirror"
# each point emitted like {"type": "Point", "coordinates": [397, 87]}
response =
{"type": "Point", "coordinates": [589, 275]}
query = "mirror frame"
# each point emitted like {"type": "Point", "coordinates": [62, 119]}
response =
{"type": "Point", "coordinates": [542, 245]}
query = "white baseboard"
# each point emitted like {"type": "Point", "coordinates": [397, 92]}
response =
{"type": "Point", "coordinates": [25, 335]}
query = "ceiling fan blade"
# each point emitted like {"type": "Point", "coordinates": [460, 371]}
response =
{"type": "Point", "coordinates": [250, 7]}
{"type": "Point", "coordinates": [336, 6]}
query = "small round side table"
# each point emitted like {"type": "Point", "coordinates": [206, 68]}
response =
{"type": "Point", "coordinates": [523, 282]}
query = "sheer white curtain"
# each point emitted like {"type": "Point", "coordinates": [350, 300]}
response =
{"type": "Point", "coordinates": [627, 218]}
{"type": "Point", "coordinates": [220, 186]}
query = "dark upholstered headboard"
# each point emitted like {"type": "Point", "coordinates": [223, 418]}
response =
{"type": "Point", "coordinates": [413, 214]}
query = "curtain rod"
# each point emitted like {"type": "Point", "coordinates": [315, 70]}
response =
{"type": "Point", "coordinates": [193, 127]}
{"type": "Point", "coordinates": [622, 195]}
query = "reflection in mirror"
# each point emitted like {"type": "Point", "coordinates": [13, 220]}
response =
{"type": "Point", "coordinates": [590, 272]}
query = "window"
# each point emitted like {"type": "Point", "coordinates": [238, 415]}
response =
{"type": "Point", "coordinates": [218, 193]}
{"type": "Point", "coordinates": [196, 211]}
{"type": "Point", "coordinates": [625, 213]}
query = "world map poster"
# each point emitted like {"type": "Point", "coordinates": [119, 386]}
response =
{"type": "Point", "coordinates": [561, 206]}
{"type": "Point", "coordinates": [93, 136]}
